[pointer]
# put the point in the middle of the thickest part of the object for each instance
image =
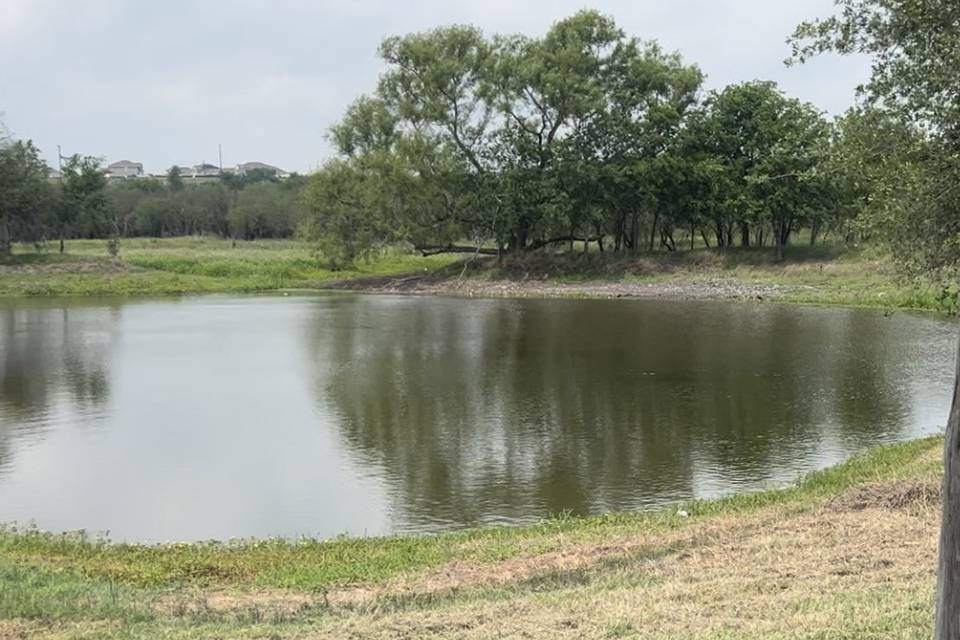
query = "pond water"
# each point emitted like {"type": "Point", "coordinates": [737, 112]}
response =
{"type": "Point", "coordinates": [220, 417]}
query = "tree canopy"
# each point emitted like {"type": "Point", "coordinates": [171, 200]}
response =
{"type": "Point", "coordinates": [909, 136]}
{"type": "Point", "coordinates": [513, 143]}
{"type": "Point", "coordinates": [24, 191]}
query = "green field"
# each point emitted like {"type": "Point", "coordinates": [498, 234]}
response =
{"type": "Point", "coordinates": [150, 266]}
{"type": "Point", "coordinates": [848, 552]}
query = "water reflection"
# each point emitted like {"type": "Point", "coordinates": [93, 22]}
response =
{"type": "Point", "coordinates": [214, 417]}
{"type": "Point", "coordinates": [509, 410]}
{"type": "Point", "coordinates": [54, 367]}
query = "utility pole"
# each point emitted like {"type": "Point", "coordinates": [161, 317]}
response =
{"type": "Point", "coordinates": [60, 162]}
{"type": "Point", "coordinates": [220, 155]}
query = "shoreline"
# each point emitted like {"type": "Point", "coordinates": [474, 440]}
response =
{"type": "Point", "coordinates": [415, 284]}
{"type": "Point", "coordinates": [150, 267]}
{"type": "Point", "coordinates": [839, 537]}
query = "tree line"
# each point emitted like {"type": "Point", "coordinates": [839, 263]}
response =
{"type": "Point", "coordinates": [585, 135]}
{"type": "Point", "coordinates": [585, 138]}
{"type": "Point", "coordinates": [84, 203]}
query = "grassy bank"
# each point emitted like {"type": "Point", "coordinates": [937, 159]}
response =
{"type": "Point", "coordinates": [148, 266]}
{"type": "Point", "coordinates": [151, 266]}
{"type": "Point", "coordinates": [846, 552]}
{"type": "Point", "coordinates": [819, 274]}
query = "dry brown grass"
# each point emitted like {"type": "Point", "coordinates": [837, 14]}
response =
{"type": "Point", "coordinates": [779, 573]}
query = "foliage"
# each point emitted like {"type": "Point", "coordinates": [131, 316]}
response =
{"type": "Point", "coordinates": [174, 179]}
{"type": "Point", "coordinates": [264, 209]}
{"type": "Point", "coordinates": [237, 181]}
{"type": "Point", "coordinates": [583, 135]}
{"type": "Point", "coordinates": [909, 139]}
{"type": "Point", "coordinates": [84, 202]}
{"type": "Point", "coordinates": [25, 194]}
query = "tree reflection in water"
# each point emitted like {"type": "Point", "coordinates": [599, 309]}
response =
{"type": "Point", "coordinates": [484, 410]}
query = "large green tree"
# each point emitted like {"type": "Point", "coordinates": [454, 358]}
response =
{"type": "Point", "coordinates": [915, 47]}
{"type": "Point", "coordinates": [768, 150]}
{"type": "Point", "coordinates": [25, 193]}
{"type": "Point", "coordinates": [516, 141]}
{"type": "Point", "coordinates": [84, 201]}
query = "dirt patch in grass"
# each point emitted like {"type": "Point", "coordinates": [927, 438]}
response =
{"type": "Point", "coordinates": [275, 600]}
{"type": "Point", "coordinates": [906, 495]}
{"type": "Point", "coordinates": [14, 630]}
{"type": "Point", "coordinates": [29, 630]}
{"type": "Point", "coordinates": [460, 575]}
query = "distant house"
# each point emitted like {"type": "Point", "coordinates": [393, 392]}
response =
{"type": "Point", "coordinates": [124, 169]}
{"type": "Point", "coordinates": [204, 170]}
{"type": "Point", "coordinates": [247, 167]}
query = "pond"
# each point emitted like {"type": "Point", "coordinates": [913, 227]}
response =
{"type": "Point", "coordinates": [219, 417]}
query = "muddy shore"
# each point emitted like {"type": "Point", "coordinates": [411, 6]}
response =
{"type": "Point", "coordinates": [535, 288]}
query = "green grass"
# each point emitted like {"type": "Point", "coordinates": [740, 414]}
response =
{"type": "Point", "coordinates": [822, 274]}
{"type": "Point", "coordinates": [316, 565]}
{"type": "Point", "coordinates": [92, 588]}
{"type": "Point", "coordinates": [150, 266]}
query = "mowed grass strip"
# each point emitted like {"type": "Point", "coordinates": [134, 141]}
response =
{"type": "Point", "coordinates": [846, 552]}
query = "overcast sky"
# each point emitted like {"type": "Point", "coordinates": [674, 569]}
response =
{"type": "Point", "coordinates": [164, 82]}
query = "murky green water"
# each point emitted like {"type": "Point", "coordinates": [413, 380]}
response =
{"type": "Point", "coordinates": [218, 417]}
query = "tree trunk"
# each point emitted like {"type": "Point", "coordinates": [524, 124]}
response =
{"type": "Point", "coordinates": [758, 236]}
{"type": "Point", "coordinates": [720, 232]}
{"type": "Point", "coordinates": [653, 231]}
{"type": "Point", "coordinates": [948, 569]}
{"type": "Point", "coordinates": [744, 234]}
{"type": "Point", "coordinates": [4, 238]}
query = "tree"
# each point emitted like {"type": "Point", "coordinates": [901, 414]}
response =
{"type": "Point", "coordinates": [915, 46]}
{"type": "Point", "coordinates": [626, 159]}
{"type": "Point", "coordinates": [237, 181]}
{"type": "Point", "coordinates": [879, 164]}
{"type": "Point", "coordinates": [84, 202]}
{"type": "Point", "coordinates": [525, 142]}
{"type": "Point", "coordinates": [263, 209]}
{"type": "Point", "coordinates": [123, 199]}
{"type": "Point", "coordinates": [769, 148]}
{"type": "Point", "coordinates": [25, 193]}
{"type": "Point", "coordinates": [174, 179]}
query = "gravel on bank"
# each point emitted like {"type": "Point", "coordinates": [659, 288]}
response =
{"type": "Point", "coordinates": [473, 287]}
